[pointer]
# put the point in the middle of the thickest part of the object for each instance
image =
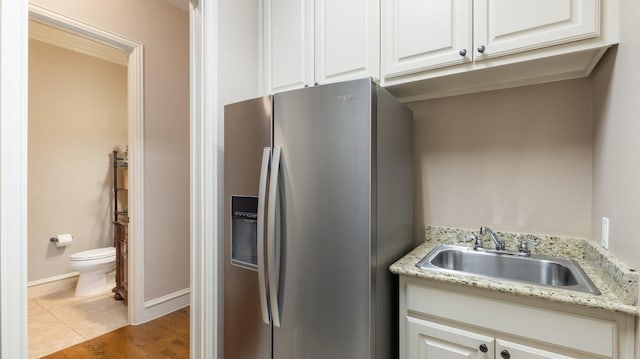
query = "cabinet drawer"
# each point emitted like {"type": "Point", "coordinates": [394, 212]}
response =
{"type": "Point", "coordinates": [568, 330]}
{"type": "Point", "coordinates": [426, 340]}
{"type": "Point", "coordinates": [526, 352]}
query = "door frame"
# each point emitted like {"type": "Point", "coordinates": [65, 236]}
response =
{"type": "Point", "coordinates": [206, 181]}
{"type": "Point", "coordinates": [14, 35]}
{"type": "Point", "coordinates": [14, 16]}
{"type": "Point", "coordinates": [14, 63]}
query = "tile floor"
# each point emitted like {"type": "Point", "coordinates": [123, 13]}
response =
{"type": "Point", "coordinates": [59, 320]}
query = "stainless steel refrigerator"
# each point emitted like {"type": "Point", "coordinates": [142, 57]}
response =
{"type": "Point", "coordinates": [318, 202]}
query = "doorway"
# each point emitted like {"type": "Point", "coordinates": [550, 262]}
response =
{"type": "Point", "coordinates": [77, 117]}
{"type": "Point", "coordinates": [13, 138]}
{"type": "Point", "coordinates": [130, 54]}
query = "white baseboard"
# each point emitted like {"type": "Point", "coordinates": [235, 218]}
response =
{"type": "Point", "coordinates": [53, 284]}
{"type": "Point", "coordinates": [164, 305]}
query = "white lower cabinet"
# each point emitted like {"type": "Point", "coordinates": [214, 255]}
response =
{"type": "Point", "coordinates": [428, 340]}
{"type": "Point", "coordinates": [444, 321]}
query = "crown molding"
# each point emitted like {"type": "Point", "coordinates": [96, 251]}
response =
{"type": "Point", "coordinates": [83, 45]}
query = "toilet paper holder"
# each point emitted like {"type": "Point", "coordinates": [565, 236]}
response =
{"type": "Point", "coordinates": [61, 240]}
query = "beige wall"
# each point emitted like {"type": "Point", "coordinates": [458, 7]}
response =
{"type": "Point", "coordinates": [77, 116]}
{"type": "Point", "coordinates": [164, 31]}
{"type": "Point", "coordinates": [514, 160]}
{"type": "Point", "coordinates": [553, 158]}
{"type": "Point", "coordinates": [616, 143]}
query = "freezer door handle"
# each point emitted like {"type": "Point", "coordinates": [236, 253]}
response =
{"type": "Point", "coordinates": [262, 280]}
{"type": "Point", "coordinates": [273, 247]}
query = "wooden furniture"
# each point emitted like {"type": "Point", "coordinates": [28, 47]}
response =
{"type": "Point", "coordinates": [440, 320]}
{"type": "Point", "coordinates": [121, 243]}
{"type": "Point", "coordinates": [120, 223]}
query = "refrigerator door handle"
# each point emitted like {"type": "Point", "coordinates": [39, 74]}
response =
{"type": "Point", "coordinates": [272, 247]}
{"type": "Point", "coordinates": [262, 280]}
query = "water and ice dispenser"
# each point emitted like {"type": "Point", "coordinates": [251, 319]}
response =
{"type": "Point", "coordinates": [244, 228]}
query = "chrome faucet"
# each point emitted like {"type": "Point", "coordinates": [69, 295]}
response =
{"type": "Point", "coordinates": [498, 242]}
{"type": "Point", "coordinates": [476, 241]}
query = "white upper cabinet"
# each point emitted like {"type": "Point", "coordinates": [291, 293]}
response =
{"type": "Point", "coordinates": [421, 49]}
{"type": "Point", "coordinates": [288, 44]}
{"type": "Point", "coordinates": [439, 48]}
{"type": "Point", "coordinates": [311, 42]}
{"type": "Point", "coordinates": [503, 27]}
{"type": "Point", "coordinates": [347, 40]}
{"type": "Point", "coordinates": [422, 35]}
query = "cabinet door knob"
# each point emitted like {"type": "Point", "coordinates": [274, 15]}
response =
{"type": "Point", "coordinates": [483, 348]}
{"type": "Point", "coordinates": [481, 49]}
{"type": "Point", "coordinates": [463, 52]}
{"type": "Point", "coordinates": [505, 354]}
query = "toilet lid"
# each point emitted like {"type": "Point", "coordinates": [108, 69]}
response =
{"type": "Point", "coordinates": [94, 254]}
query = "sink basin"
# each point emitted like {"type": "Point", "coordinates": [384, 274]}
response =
{"type": "Point", "coordinates": [545, 271]}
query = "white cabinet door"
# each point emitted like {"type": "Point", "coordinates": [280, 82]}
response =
{"type": "Point", "coordinates": [506, 350]}
{"type": "Point", "coordinates": [419, 35]}
{"type": "Point", "coordinates": [347, 38]}
{"type": "Point", "coordinates": [427, 340]}
{"type": "Point", "coordinates": [288, 47]}
{"type": "Point", "coordinates": [504, 27]}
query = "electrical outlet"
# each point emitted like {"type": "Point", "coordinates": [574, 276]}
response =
{"type": "Point", "coordinates": [605, 232]}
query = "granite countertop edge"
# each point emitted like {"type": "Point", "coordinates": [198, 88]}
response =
{"type": "Point", "coordinates": [608, 300]}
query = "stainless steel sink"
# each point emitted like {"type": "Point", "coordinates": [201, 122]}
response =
{"type": "Point", "coordinates": [546, 271]}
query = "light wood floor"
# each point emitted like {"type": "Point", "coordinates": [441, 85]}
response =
{"type": "Point", "coordinates": [165, 337]}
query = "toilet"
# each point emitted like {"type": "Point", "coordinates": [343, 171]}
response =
{"type": "Point", "coordinates": [93, 266]}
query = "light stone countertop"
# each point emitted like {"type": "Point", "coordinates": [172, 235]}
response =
{"type": "Point", "coordinates": [616, 281]}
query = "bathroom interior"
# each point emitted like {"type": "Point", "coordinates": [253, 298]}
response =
{"type": "Point", "coordinates": [77, 189]}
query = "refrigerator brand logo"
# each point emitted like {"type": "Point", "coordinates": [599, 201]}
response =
{"type": "Point", "coordinates": [245, 214]}
{"type": "Point", "coordinates": [347, 98]}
